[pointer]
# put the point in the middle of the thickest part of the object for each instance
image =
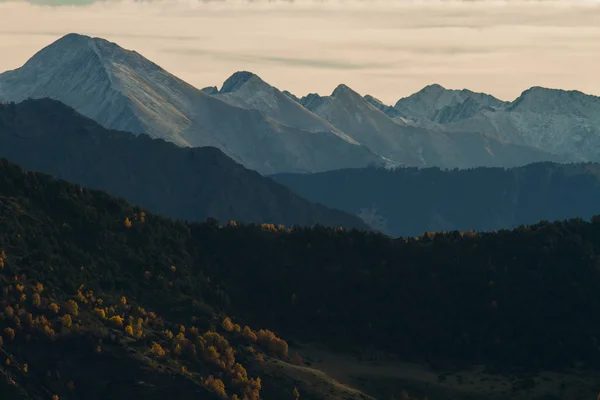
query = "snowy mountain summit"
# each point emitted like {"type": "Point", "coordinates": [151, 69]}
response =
{"type": "Point", "coordinates": [122, 90]}
{"type": "Point", "coordinates": [274, 131]}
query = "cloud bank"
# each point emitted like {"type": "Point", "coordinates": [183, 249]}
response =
{"type": "Point", "coordinates": [387, 48]}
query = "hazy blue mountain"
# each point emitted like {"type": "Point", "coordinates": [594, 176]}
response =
{"type": "Point", "coordinates": [409, 201]}
{"type": "Point", "coordinates": [188, 183]}
{"type": "Point", "coordinates": [122, 90]}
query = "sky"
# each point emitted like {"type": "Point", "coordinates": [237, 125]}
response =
{"type": "Point", "coordinates": [385, 48]}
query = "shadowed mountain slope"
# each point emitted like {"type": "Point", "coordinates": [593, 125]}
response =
{"type": "Point", "coordinates": [188, 183]}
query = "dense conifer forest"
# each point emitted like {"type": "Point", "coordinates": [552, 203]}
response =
{"type": "Point", "coordinates": [102, 299]}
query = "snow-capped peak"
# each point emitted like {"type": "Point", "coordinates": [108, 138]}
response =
{"type": "Point", "coordinates": [540, 99]}
{"type": "Point", "coordinates": [343, 90]}
{"type": "Point", "coordinates": [239, 79]}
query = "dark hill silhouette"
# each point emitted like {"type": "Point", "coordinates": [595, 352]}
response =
{"type": "Point", "coordinates": [517, 301]}
{"type": "Point", "coordinates": [187, 183]}
{"type": "Point", "coordinates": [410, 201]}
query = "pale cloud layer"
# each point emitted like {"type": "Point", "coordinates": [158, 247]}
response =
{"type": "Point", "coordinates": [387, 48]}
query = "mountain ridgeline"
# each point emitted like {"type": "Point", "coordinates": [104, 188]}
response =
{"type": "Point", "coordinates": [87, 277]}
{"type": "Point", "coordinates": [562, 122]}
{"type": "Point", "coordinates": [410, 201]}
{"type": "Point", "coordinates": [273, 131]}
{"type": "Point", "coordinates": [122, 90]}
{"type": "Point", "coordinates": [179, 182]}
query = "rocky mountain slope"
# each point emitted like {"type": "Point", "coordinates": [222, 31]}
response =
{"type": "Point", "coordinates": [122, 90]}
{"type": "Point", "coordinates": [188, 183]}
{"type": "Point", "coordinates": [413, 145]}
{"type": "Point", "coordinates": [247, 90]}
{"type": "Point", "coordinates": [562, 122]}
{"type": "Point", "coordinates": [408, 202]}
{"type": "Point", "coordinates": [437, 104]}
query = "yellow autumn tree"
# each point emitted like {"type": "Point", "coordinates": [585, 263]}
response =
{"type": "Point", "coordinates": [72, 307]}
{"type": "Point", "coordinates": [249, 334]}
{"type": "Point", "coordinates": [36, 300]}
{"type": "Point", "coordinates": [9, 312]}
{"type": "Point", "coordinates": [66, 320]}
{"type": "Point", "coordinates": [127, 223]}
{"type": "Point", "coordinates": [272, 343]}
{"type": "Point", "coordinates": [216, 385]}
{"type": "Point", "coordinates": [177, 349]}
{"type": "Point", "coordinates": [116, 320]}
{"type": "Point", "coordinates": [100, 313]}
{"type": "Point", "coordinates": [158, 350]}
{"type": "Point", "coordinates": [9, 333]}
{"type": "Point", "coordinates": [227, 325]}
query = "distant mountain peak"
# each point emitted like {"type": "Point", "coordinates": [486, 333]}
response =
{"type": "Point", "coordinates": [541, 99]}
{"type": "Point", "coordinates": [71, 37]}
{"type": "Point", "coordinates": [79, 49]}
{"type": "Point", "coordinates": [342, 89]}
{"type": "Point", "coordinates": [210, 90]}
{"type": "Point", "coordinates": [434, 87]}
{"type": "Point", "coordinates": [540, 90]}
{"type": "Point", "coordinates": [375, 101]}
{"type": "Point", "coordinates": [237, 80]}
{"type": "Point", "coordinates": [291, 96]}
{"type": "Point", "coordinates": [312, 101]}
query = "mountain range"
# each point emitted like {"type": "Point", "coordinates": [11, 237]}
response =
{"type": "Point", "coordinates": [179, 182]}
{"type": "Point", "coordinates": [273, 131]}
{"type": "Point", "coordinates": [410, 201]}
{"type": "Point", "coordinates": [122, 90]}
{"type": "Point", "coordinates": [566, 123]}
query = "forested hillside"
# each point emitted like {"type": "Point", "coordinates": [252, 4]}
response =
{"type": "Point", "coordinates": [104, 300]}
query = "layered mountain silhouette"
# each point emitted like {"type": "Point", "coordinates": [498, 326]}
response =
{"type": "Point", "coordinates": [187, 183]}
{"type": "Point", "coordinates": [261, 127]}
{"type": "Point", "coordinates": [122, 90]}
{"type": "Point", "coordinates": [410, 201]}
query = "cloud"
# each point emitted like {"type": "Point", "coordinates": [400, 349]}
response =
{"type": "Point", "coordinates": [288, 61]}
{"type": "Point", "coordinates": [388, 48]}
